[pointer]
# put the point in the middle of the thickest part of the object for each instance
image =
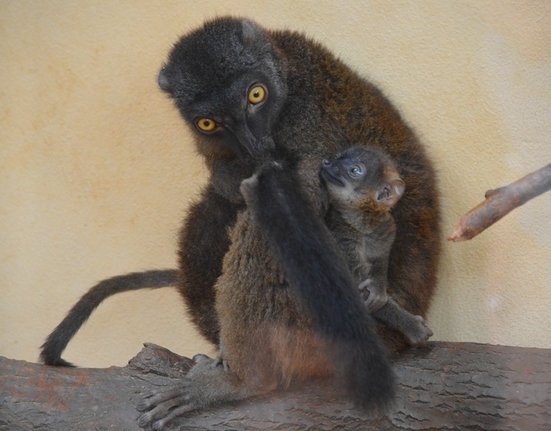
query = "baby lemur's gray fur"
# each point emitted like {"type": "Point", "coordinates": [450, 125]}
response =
{"type": "Point", "coordinates": [363, 186]}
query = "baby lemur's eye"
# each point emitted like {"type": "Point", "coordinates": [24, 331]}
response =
{"type": "Point", "coordinates": [257, 94]}
{"type": "Point", "coordinates": [206, 125]}
{"type": "Point", "coordinates": [356, 171]}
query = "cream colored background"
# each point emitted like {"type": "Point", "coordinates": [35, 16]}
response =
{"type": "Point", "coordinates": [97, 169]}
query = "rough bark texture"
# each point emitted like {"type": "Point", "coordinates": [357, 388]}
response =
{"type": "Point", "coordinates": [500, 202]}
{"type": "Point", "coordinates": [445, 386]}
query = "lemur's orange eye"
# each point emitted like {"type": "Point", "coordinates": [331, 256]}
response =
{"type": "Point", "coordinates": [257, 94]}
{"type": "Point", "coordinates": [206, 125]}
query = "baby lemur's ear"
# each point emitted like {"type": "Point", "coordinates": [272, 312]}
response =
{"type": "Point", "coordinates": [391, 191]}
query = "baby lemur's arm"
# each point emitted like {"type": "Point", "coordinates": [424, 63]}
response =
{"type": "Point", "coordinates": [372, 266]}
{"type": "Point", "coordinates": [386, 310]}
{"type": "Point", "coordinates": [373, 289]}
{"type": "Point", "coordinates": [382, 307]}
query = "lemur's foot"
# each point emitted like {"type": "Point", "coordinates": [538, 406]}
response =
{"type": "Point", "coordinates": [418, 333]}
{"type": "Point", "coordinates": [205, 384]}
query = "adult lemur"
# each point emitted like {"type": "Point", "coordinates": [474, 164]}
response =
{"type": "Point", "coordinates": [246, 91]}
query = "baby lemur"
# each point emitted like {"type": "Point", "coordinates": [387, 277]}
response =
{"type": "Point", "coordinates": [363, 186]}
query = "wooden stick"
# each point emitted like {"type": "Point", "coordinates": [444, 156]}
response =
{"type": "Point", "coordinates": [441, 387]}
{"type": "Point", "coordinates": [500, 202]}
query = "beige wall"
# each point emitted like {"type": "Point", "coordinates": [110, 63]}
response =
{"type": "Point", "coordinates": [97, 169]}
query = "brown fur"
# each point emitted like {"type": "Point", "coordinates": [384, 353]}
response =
{"type": "Point", "coordinates": [372, 209]}
{"type": "Point", "coordinates": [266, 334]}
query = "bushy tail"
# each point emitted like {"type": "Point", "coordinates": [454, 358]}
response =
{"type": "Point", "coordinates": [314, 267]}
{"type": "Point", "coordinates": [57, 341]}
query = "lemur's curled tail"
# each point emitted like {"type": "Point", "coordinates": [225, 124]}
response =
{"type": "Point", "coordinates": [59, 338]}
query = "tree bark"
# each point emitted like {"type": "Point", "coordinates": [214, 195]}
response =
{"type": "Point", "coordinates": [444, 386]}
{"type": "Point", "coordinates": [500, 202]}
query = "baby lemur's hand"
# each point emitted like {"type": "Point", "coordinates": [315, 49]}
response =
{"type": "Point", "coordinates": [419, 332]}
{"type": "Point", "coordinates": [373, 294]}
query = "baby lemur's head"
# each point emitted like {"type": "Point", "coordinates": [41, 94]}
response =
{"type": "Point", "coordinates": [363, 178]}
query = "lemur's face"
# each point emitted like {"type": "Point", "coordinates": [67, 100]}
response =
{"type": "Point", "coordinates": [344, 178]}
{"type": "Point", "coordinates": [362, 176]}
{"type": "Point", "coordinates": [229, 85]}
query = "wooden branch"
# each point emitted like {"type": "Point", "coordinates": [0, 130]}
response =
{"type": "Point", "coordinates": [500, 202]}
{"type": "Point", "coordinates": [445, 386]}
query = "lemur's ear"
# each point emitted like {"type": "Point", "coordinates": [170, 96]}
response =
{"type": "Point", "coordinates": [391, 191]}
{"type": "Point", "coordinates": [250, 32]}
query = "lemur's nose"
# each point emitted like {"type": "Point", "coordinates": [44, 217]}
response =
{"type": "Point", "coordinates": [326, 162]}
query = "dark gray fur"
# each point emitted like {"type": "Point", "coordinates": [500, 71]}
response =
{"type": "Point", "coordinates": [57, 341]}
